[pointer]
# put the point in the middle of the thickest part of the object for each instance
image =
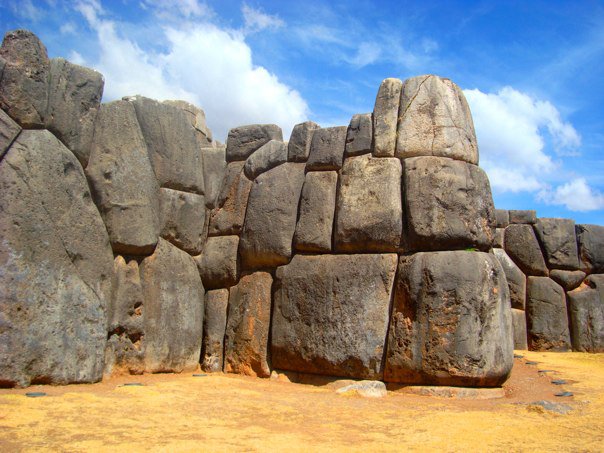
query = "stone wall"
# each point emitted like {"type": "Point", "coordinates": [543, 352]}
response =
{"type": "Point", "coordinates": [133, 242]}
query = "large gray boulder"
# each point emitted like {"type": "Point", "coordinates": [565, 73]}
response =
{"type": "Point", "coordinates": [519, 328]}
{"type": "Point", "coordinates": [217, 264]}
{"type": "Point", "coordinates": [56, 267]}
{"type": "Point", "coordinates": [568, 280]}
{"type": "Point", "coordinates": [228, 216]}
{"type": "Point", "coordinates": [74, 98]}
{"type": "Point", "coordinates": [197, 119]}
{"type": "Point", "coordinates": [122, 180]}
{"type": "Point", "coordinates": [559, 243]}
{"type": "Point", "coordinates": [515, 277]}
{"type": "Point", "coordinates": [248, 324]}
{"type": "Point", "coordinates": [448, 204]}
{"type": "Point", "coordinates": [214, 328]}
{"type": "Point", "coordinates": [183, 219]}
{"type": "Point", "coordinates": [270, 221]}
{"type": "Point", "coordinates": [317, 209]}
{"type": "Point", "coordinates": [369, 210]}
{"type": "Point", "coordinates": [435, 120]}
{"type": "Point", "coordinates": [327, 149]}
{"type": "Point", "coordinates": [173, 144]}
{"type": "Point", "coordinates": [385, 116]}
{"type": "Point", "coordinates": [523, 216]}
{"type": "Point", "coordinates": [24, 83]}
{"type": "Point", "coordinates": [451, 323]}
{"type": "Point", "coordinates": [591, 248]}
{"type": "Point", "coordinates": [521, 245]}
{"type": "Point", "coordinates": [243, 141]}
{"type": "Point", "coordinates": [586, 315]}
{"type": "Point", "coordinates": [547, 320]}
{"type": "Point", "coordinates": [264, 158]}
{"type": "Point", "coordinates": [331, 314]}
{"type": "Point", "coordinates": [298, 148]}
{"type": "Point", "coordinates": [359, 137]}
{"type": "Point", "coordinates": [214, 172]}
{"type": "Point", "coordinates": [8, 132]}
{"type": "Point", "coordinates": [173, 320]}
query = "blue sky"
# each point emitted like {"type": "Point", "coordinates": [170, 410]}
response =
{"type": "Point", "coordinates": [531, 71]}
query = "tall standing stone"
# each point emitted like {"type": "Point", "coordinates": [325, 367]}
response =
{"type": "Point", "coordinates": [359, 137]}
{"type": "Point", "coordinates": [214, 328]}
{"type": "Point", "coordinates": [557, 237]}
{"type": "Point", "coordinates": [547, 319]}
{"type": "Point", "coordinates": [515, 277]}
{"type": "Point", "coordinates": [385, 115]}
{"type": "Point", "coordinates": [519, 327]}
{"type": "Point", "coordinates": [591, 248]}
{"type": "Point", "coordinates": [183, 219]}
{"type": "Point", "coordinates": [586, 315]}
{"type": "Point", "coordinates": [228, 216]}
{"type": "Point", "coordinates": [243, 141]}
{"type": "Point", "coordinates": [214, 172]}
{"type": "Point", "coordinates": [298, 148]}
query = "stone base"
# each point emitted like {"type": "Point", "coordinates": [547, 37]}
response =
{"type": "Point", "coordinates": [467, 393]}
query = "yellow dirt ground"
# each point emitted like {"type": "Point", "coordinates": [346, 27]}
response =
{"type": "Point", "coordinates": [234, 413]}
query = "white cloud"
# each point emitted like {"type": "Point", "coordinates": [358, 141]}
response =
{"type": "Point", "coordinates": [576, 195]}
{"type": "Point", "coordinates": [68, 28]}
{"type": "Point", "coordinates": [77, 58]}
{"type": "Point", "coordinates": [366, 54]}
{"type": "Point", "coordinates": [256, 20]}
{"type": "Point", "coordinates": [178, 9]}
{"type": "Point", "coordinates": [25, 9]}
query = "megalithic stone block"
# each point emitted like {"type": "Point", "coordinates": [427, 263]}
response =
{"type": "Point", "coordinates": [298, 148]}
{"type": "Point", "coordinates": [228, 216]}
{"type": "Point", "coordinates": [591, 248]}
{"type": "Point", "coordinates": [521, 244]}
{"type": "Point", "coordinates": [519, 327]}
{"type": "Point", "coordinates": [385, 116]}
{"type": "Point", "coordinates": [559, 243]}
{"type": "Point", "coordinates": [214, 328]}
{"type": "Point", "coordinates": [8, 132]}
{"type": "Point", "coordinates": [327, 149]}
{"type": "Point", "coordinates": [586, 315]}
{"type": "Point", "coordinates": [359, 137]}
{"type": "Point", "coordinates": [214, 172]}
{"type": "Point", "coordinates": [515, 277]}
{"type": "Point", "coordinates": [183, 219]}
{"type": "Point", "coordinates": [243, 141]}
{"type": "Point", "coordinates": [217, 264]}
{"type": "Point", "coordinates": [268, 156]}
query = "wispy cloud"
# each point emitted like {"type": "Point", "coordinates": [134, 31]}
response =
{"type": "Point", "coordinates": [256, 20]}
{"type": "Point", "coordinates": [178, 9]}
{"type": "Point", "coordinates": [575, 195]}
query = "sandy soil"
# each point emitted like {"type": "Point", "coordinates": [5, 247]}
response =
{"type": "Point", "coordinates": [233, 413]}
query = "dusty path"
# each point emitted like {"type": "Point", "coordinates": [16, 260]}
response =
{"type": "Point", "coordinates": [234, 413]}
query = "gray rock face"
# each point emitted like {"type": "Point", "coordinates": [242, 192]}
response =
{"type": "Point", "coordinates": [527, 216]}
{"type": "Point", "coordinates": [317, 209]}
{"type": "Point", "coordinates": [248, 324]}
{"type": "Point", "coordinates": [183, 219]}
{"type": "Point", "coordinates": [359, 137]}
{"type": "Point", "coordinates": [173, 144]}
{"type": "Point", "coordinates": [214, 328]}
{"type": "Point", "coordinates": [515, 277]}
{"type": "Point", "coordinates": [74, 98]}
{"type": "Point", "coordinates": [123, 182]}
{"type": "Point", "coordinates": [435, 120]}
{"type": "Point", "coordinates": [270, 221]}
{"type": "Point", "coordinates": [502, 218]}
{"type": "Point", "coordinates": [519, 328]}
{"type": "Point", "coordinates": [228, 217]}
{"type": "Point", "coordinates": [547, 321]}
{"type": "Point", "coordinates": [197, 119]}
{"type": "Point", "coordinates": [448, 204]}
{"type": "Point", "coordinates": [591, 248]}
{"type": "Point", "coordinates": [173, 320]}
{"type": "Point", "coordinates": [214, 172]}
{"type": "Point", "coordinates": [24, 83]}
{"type": "Point", "coordinates": [498, 238]}
{"type": "Point", "coordinates": [369, 210]}
{"type": "Point", "coordinates": [264, 158]}
{"type": "Point", "coordinates": [569, 280]}
{"type": "Point", "coordinates": [218, 263]}
{"type": "Point", "coordinates": [557, 237]}
{"type": "Point", "coordinates": [8, 132]}
{"type": "Point", "coordinates": [56, 267]}
{"type": "Point", "coordinates": [385, 115]}
{"type": "Point", "coordinates": [298, 148]}
{"type": "Point", "coordinates": [521, 245]}
{"type": "Point", "coordinates": [327, 149]}
{"type": "Point", "coordinates": [586, 310]}
{"type": "Point", "coordinates": [331, 314]}
{"type": "Point", "coordinates": [451, 323]}
{"type": "Point", "coordinates": [243, 141]}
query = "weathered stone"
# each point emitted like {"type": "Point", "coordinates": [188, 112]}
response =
{"type": "Point", "coordinates": [451, 323]}
{"type": "Point", "coordinates": [498, 238]}
{"type": "Point", "coordinates": [243, 141]}
{"type": "Point", "coordinates": [369, 210]}
{"type": "Point", "coordinates": [502, 218]}
{"type": "Point", "coordinates": [526, 216]}
{"type": "Point", "coordinates": [183, 219]}
{"type": "Point", "coordinates": [591, 248]}
{"type": "Point", "coordinates": [298, 148]}
{"type": "Point", "coordinates": [331, 314]}
{"type": "Point", "coordinates": [123, 182]}
{"type": "Point", "coordinates": [435, 120]}
{"type": "Point", "coordinates": [519, 328]}
{"type": "Point", "coordinates": [515, 277]}
{"type": "Point", "coordinates": [359, 137]}
{"type": "Point", "coordinates": [385, 115]}
{"type": "Point", "coordinates": [229, 215]}
{"type": "Point", "coordinates": [214, 328]}
{"type": "Point", "coordinates": [586, 315]}
{"type": "Point", "coordinates": [270, 221]}
{"type": "Point", "coordinates": [74, 98]}
{"type": "Point", "coordinates": [173, 144]}
{"type": "Point", "coordinates": [56, 267]}
{"type": "Point", "coordinates": [24, 83]}
{"type": "Point", "coordinates": [173, 320]}
{"type": "Point", "coordinates": [448, 204]}
{"type": "Point", "coordinates": [214, 172]}
{"type": "Point", "coordinates": [327, 149]}
{"type": "Point", "coordinates": [248, 324]}
{"type": "Point", "coordinates": [569, 280]}
{"type": "Point", "coordinates": [197, 119]}
{"type": "Point", "coordinates": [218, 263]}
{"type": "Point", "coordinates": [521, 245]}
{"type": "Point", "coordinates": [366, 389]}
{"type": "Point", "coordinates": [8, 132]}
{"type": "Point", "coordinates": [316, 213]}
{"type": "Point", "coordinates": [547, 320]}
{"type": "Point", "coordinates": [557, 237]}
{"type": "Point", "coordinates": [264, 158]}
